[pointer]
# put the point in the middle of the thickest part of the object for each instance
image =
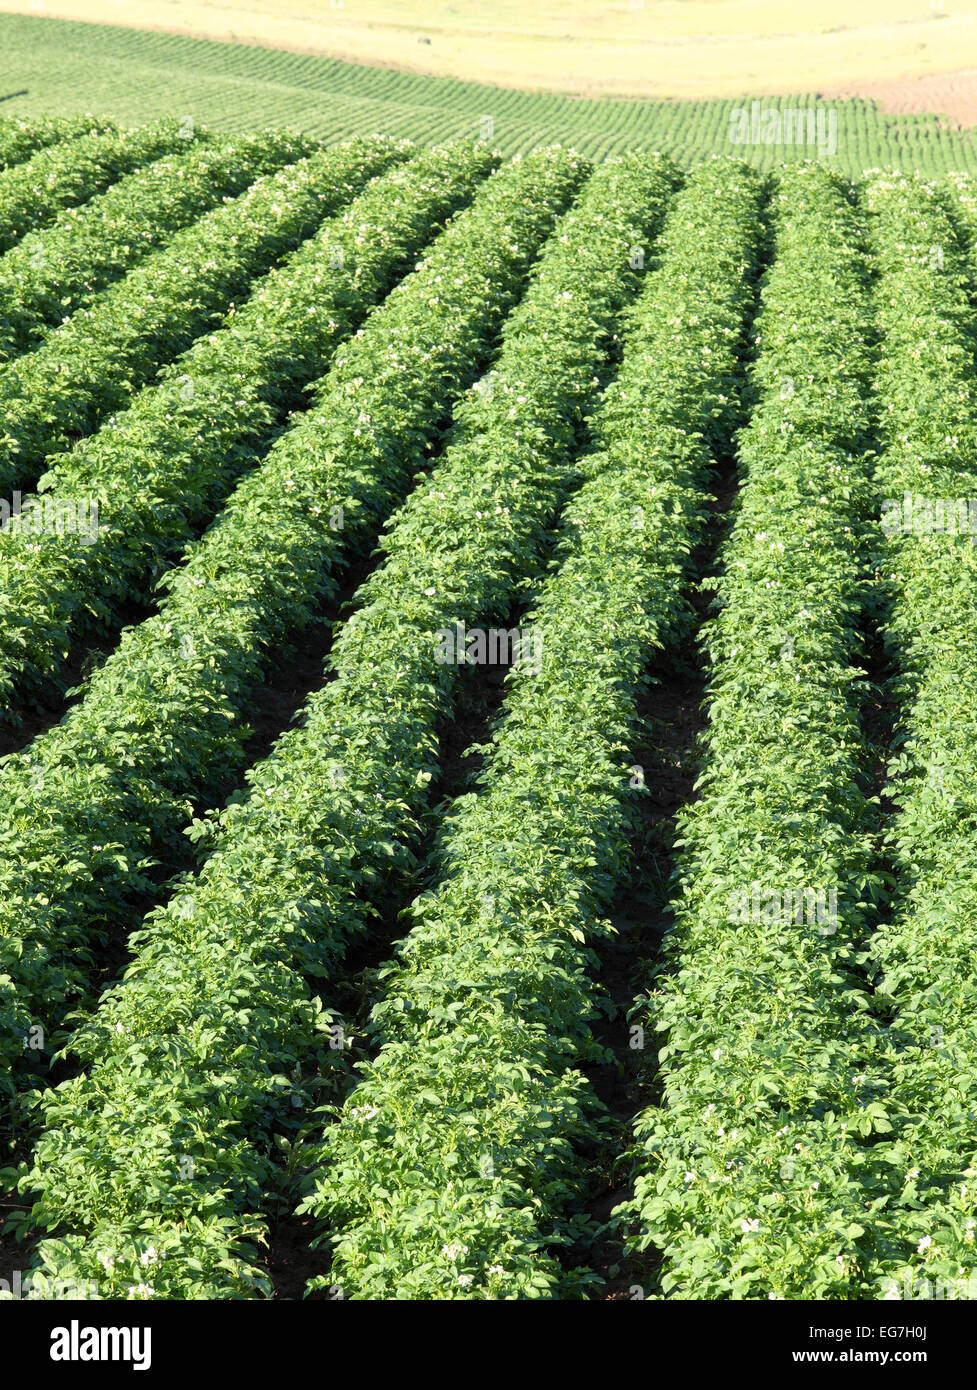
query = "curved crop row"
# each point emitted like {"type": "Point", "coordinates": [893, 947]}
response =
{"type": "Point", "coordinates": [927, 485]}
{"type": "Point", "coordinates": [19, 139]}
{"type": "Point", "coordinates": [48, 275]}
{"type": "Point", "coordinates": [64, 175]}
{"type": "Point", "coordinates": [92, 364]}
{"type": "Point", "coordinates": [309, 850]}
{"type": "Point", "coordinates": [745, 1173]}
{"type": "Point", "coordinates": [193, 433]}
{"type": "Point", "coordinates": [382, 403]}
{"type": "Point", "coordinates": [451, 1164]}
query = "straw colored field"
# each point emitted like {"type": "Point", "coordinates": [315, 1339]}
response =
{"type": "Point", "coordinates": [650, 48]}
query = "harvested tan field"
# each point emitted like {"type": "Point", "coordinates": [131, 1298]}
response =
{"type": "Point", "coordinates": [951, 94]}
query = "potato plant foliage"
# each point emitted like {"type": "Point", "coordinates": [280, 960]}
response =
{"type": "Point", "coordinates": [645, 425]}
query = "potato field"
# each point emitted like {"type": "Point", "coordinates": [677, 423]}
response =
{"type": "Point", "coordinates": [488, 682]}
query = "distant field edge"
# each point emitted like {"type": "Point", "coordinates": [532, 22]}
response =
{"type": "Point", "coordinates": [60, 67]}
{"type": "Point", "coordinates": [594, 50]}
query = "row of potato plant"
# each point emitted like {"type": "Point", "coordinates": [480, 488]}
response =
{"type": "Point", "coordinates": [960, 201]}
{"type": "Point", "coordinates": [749, 1173]}
{"type": "Point", "coordinates": [69, 173]}
{"type": "Point", "coordinates": [296, 869]}
{"type": "Point", "coordinates": [50, 274]}
{"type": "Point", "coordinates": [452, 1169]}
{"type": "Point", "coordinates": [130, 783]}
{"type": "Point", "coordinates": [194, 432]}
{"type": "Point", "coordinates": [19, 138]}
{"type": "Point", "coordinates": [927, 488]}
{"type": "Point", "coordinates": [92, 364]}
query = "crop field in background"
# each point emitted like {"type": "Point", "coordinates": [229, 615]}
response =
{"type": "Point", "coordinates": [488, 674]}
{"type": "Point", "coordinates": [634, 48]}
{"type": "Point", "coordinates": [50, 67]}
